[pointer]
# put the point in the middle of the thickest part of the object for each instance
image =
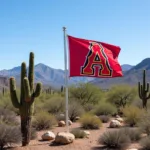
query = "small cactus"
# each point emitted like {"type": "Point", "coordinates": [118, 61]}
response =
{"type": "Point", "coordinates": [3, 91]}
{"type": "Point", "coordinates": [62, 89]}
{"type": "Point", "coordinates": [27, 97]}
{"type": "Point", "coordinates": [144, 90]}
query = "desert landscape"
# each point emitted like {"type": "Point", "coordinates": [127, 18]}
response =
{"type": "Point", "coordinates": [74, 75]}
{"type": "Point", "coordinates": [117, 118]}
{"type": "Point", "coordinates": [88, 143]}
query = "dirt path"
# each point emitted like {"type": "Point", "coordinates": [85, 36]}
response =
{"type": "Point", "coordinates": [90, 143]}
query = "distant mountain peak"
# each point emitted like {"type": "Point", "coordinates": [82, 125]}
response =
{"type": "Point", "coordinates": [144, 64]}
{"type": "Point", "coordinates": [126, 67]}
{"type": "Point", "coordinates": [40, 64]}
{"type": "Point", "coordinates": [146, 61]}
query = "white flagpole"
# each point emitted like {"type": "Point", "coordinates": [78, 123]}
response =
{"type": "Point", "coordinates": [66, 78]}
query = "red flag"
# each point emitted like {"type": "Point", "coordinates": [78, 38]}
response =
{"type": "Point", "coordinates": [93, 59]}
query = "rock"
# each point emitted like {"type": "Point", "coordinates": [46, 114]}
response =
{"type": "Point", "coordinates": [114, 124]}
{"type": "Point", "coordinates": [77, 118]}
{"type": "Point", "coordinates": [61, 117]}
{"type": "Point", "coordinates": [120, 120]}
{"type": "Point", "coordinates": [87, 133]}
{"type": "Point", "coordinates": [48, 136]}
{"type": "Point", "coordinates": [117, 116]}
{"type": "Point", "coordinates": [64, 138]}
{"type": "Point", "coordinates": [69, 122]}
{"type": "Point", "coordinates": [61, 123]}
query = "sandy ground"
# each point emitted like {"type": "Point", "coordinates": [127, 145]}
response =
{"type": "Point", "coordinates": [90, 143]}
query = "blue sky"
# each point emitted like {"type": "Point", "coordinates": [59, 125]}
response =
{"type": "Point", "coordinates": [36, 25]}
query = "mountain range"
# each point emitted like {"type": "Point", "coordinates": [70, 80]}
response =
{"type": "Point", "coordinates": [55, 77]}
{"type": "Point", "coordinates": [45, 74]}
{"type": "Point", "coordinates": [131, 75]}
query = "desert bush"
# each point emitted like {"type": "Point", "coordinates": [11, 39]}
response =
{"type": "Point", "coordinates": [33, 133]}
{"type": "Point", "coordinates": [55, 105]}
{"type": "Point", "coordinates": [145, 126]}
{"type": "Point", "coordinates": [132, 115]}
{"type": "Point", "coordinates": [43, 120]}
{"type": "Point", "coordinates": [134, 134]}
{"type": "Point", "coordinates": [121, 95]}
{"type": "Point", "coordinates": [43, 102]}
{"type": "Point", "coordinates": [9, 135]}
{"type": "Point", "coordinates": [144, 123]}
{"type": "Point", "coordinates": [105, 109]}
{"type": "Point", "coordinates": [120, 111]}
{"type": "Point", "coordinates": [89, 107]}
{"type": "Point", "coordinates": [7, 116]}
{"type": "Point", "coordinates": [115, 139]}
{"type": "Point", "coordinates": [138, 103]}
{"type": "Point", "coordinates": [6, 103]}
{"type": "Point", "coordinates": [104, 118]}
{"type": "Point", "coordinates": [145, 143]}
{"type": "Point", "coordinates": [60, 117]}
{"type": "Point", "coordinates": [78, 133]}
{"type": "Point", "coordinates": [75, 109]}
{"type": "Point", "coordinates": [85, 93]}
{"type": "Point", "coordinates": [89, 121]}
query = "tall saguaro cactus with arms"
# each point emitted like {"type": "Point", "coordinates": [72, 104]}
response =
{"type": "Point", "coordinates": [27, 96]}
{"type": "Point", "coordinates": [144, 90]}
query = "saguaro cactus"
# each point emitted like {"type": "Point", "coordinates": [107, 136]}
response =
{"type": "Point", "coordinates": [27, 96]}
{"type": "Point", "coordinates": [3, 91]}
{"type": "Point", "coordinates": [144, 90]}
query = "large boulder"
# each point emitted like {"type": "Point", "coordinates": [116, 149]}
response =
{"type": "Point", "coordinates": [64, 138]}
{"type": "Point", "coordinates": [48, 136]}
{"type": "Point", "coordinates": [114, 124]}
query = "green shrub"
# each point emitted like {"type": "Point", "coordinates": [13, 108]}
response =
{"type": "Point", "coordinates": [89, 121]}
{"type": "Point", "coordinates": [78, 133]}
{"type": "Point", "coordinates": [85, 93]}
{"type": "Point", "coordinates": [137, 103]}
{"type": "Point", "coordinates": [134, 134]}
{"type": "Point", "coordinates": [33, 134]}
{"type": "Point", "coordinates": [6, 103]}
{"type": "Point", "coordinates": [89, 107]}
{"type": "Point", "coordinates": [132, 115]}
{"type": "Point", "coordinates": [121, 95]}
{"type": "Point", "coordinates": [55, 105]}
{"type": "Point", "coordinates": [144, 123]}
{"type": "Point", "coordinates": [145, 143]}
{"type": "Point", "coordinates": [75, 110]}
{"type": "Point", "coordinates": [115, 139]}
{"type": "Point", "coordinates": [60, 117]}
{"type": "Point", "coordinates": [8, 117]}
{"type": "Point", "coordinates": [43, 120]}
{"type": "Point", "coordinates": [104, 118]}
{"type": "Point", "coordinates": [105, 109]}
{"type": "Point", "coordinates": [9, 135]}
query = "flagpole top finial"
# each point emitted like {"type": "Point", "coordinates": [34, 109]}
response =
{"type": "Point", "coordinates": [64, 28]}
